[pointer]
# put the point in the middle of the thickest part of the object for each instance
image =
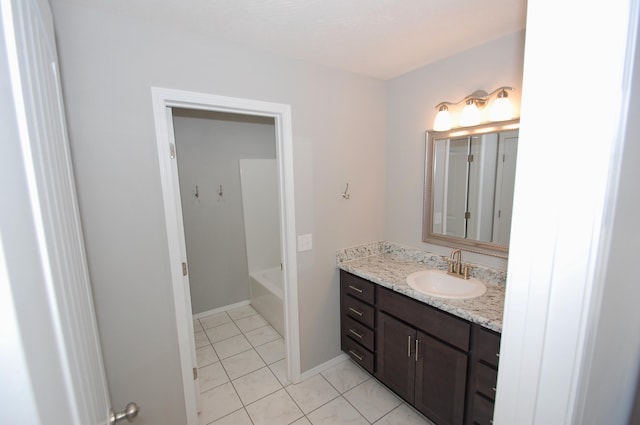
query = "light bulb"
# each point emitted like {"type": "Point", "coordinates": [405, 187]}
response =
{"type": "Point", "coordinates": [443, 120]}
{"type": "Point", "coordinates": [470, 114]}
{"type": "Point", "coordinates": [501, 109]}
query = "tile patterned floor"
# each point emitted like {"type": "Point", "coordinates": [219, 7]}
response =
{"type": "Point", "coordinates": [242, 369]}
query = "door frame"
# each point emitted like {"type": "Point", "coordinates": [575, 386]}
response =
{"type": "Point", "coordinates": [164, 99]}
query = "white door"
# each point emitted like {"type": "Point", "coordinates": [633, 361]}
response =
{"type": "Point", "coordinates": [40, 231]}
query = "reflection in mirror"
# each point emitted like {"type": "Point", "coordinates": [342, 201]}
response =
{"type": "Point", "coordinates": [469, 179]}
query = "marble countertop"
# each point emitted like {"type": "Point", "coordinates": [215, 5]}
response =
{"type": "Point", "coordinates": [391, 271]}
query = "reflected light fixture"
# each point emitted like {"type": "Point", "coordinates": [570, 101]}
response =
{"type": "Point", "coordinates": [501, 109]}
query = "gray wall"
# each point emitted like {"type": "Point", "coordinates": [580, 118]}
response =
{"type": "Point", "coordinates": [410, 112]}
{"type": "Point", "coordinates": [209, 145]}
{"type": "Point", "coordinates": [108, 65]}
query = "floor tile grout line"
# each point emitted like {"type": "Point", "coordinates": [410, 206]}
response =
{"type": "Point", "coordinates": [238, 394]}
{"type": "Point", "coordinates": [355, 408]}
{"type": "Point", "coordinates": [240, 352]}
{"type": "Point", "coordinates": [340, 394]}
{"type": "Point", "coordinates": [240, 376]}
{"type": "Point", "coordinates": [229, 414]}
{"type": "Point", "coordinates": [361, 413]}
{"type": "Point", "coordinates": [253, 347]}
{"type": "Point", "coordinates": [263, 397]}
{"type": "Point", "coordinates": [329, 401]}
{"type": "Point", "coordinates": [324, 404]}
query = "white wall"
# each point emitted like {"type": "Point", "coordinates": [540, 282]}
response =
{"type": "Point", "coordinates": [614, 360]}
{"type": "Point", "coordinates": [209, 146]}
{"type": "Point", "coordinates": [410, 113]}
{"type": "Point", "coordinates": [108, 65]}
{"type": "Point", "coordinates": [558, 262]}
{"type": "Point", "coordinates": [31, 381]}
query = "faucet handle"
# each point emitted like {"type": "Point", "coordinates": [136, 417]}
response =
{"type": "Point", "coordinates": [452, 264]}
{"type": "Point", "coordinates": [465, 269]}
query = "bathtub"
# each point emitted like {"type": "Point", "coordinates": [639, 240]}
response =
{"type": "Point", "coordinates": [266, 296]}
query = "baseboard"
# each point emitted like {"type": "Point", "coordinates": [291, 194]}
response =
{"type": "Point", "coordinates": [221, 309]}
{"type": "Point", "coordinates": [324, 366]}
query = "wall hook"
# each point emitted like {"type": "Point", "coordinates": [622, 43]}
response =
{"type": "Point", "coordinates": [220, 193]}
{"type": "Point", "coordinates": [197, 193]}
{"type": "Point", "coordinates": [346, 194]}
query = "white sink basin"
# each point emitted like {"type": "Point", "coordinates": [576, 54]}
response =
{"type": "Point", "coordinates": [437, 283]}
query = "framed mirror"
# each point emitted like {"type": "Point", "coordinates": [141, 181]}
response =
{"type": "Point", "coordinates": [468, 191]}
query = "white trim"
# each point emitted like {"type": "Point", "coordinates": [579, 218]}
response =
{"type": "Point", "coordinates": [221, 309]}
{"type": "Point", "coordinates": [324, 366]}
{"type": "Point", "coordinates": [168, 98]}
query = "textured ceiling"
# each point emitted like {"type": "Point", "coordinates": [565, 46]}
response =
{"type": "Point", "coordinates": [378, 38]}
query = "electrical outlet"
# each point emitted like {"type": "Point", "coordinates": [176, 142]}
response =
{"type": "Point", "coordinates": [305, 242]}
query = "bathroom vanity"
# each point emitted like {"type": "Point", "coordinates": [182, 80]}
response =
{"type": "Point", "coordinates": [441, 356]}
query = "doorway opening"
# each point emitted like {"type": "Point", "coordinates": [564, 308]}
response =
{"type": "Point", "coordinates": [164, 102]}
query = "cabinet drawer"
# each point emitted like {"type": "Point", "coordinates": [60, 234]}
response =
{"type": "Point", "coordinates": [482, 410]}
{"type": "Point", "coordinates": [487, 346]}
{"type": "Point", "coordinates": [447, 328]}
{"type": "Point", "coordinates": [486, 380]}
{"type": "Point", "coordinates": [358, 310]}
{"type": "Point", "coordinates": [358, 332]}
{"type": "Point", "coordinates": [357, 287]}
{"type": "Point", "coordinates": [360, 355]}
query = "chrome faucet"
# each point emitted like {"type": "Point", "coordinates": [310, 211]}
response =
{"type": "Point", "coordinates": [456, 267]}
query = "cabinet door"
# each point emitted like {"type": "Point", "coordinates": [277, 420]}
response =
{"type": "Point", "coordinates": [395, 356]}
{"type": "Point", "coordinates": [441, 377]}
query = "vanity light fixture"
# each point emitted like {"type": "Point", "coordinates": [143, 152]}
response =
{"type": "Point", "coordinates": [501, 109]}
{"type": "Point", "coordinates": [443, 119]}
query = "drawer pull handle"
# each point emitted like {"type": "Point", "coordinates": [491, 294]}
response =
{"type": "Point", "coordinates": [498, 355]}
{"type": "Point", "coordinates": [359, 313]}
{"type": "Point", "coordinates": [357, 334]}
{"type": "Point", "coordinates": [357, 356]}
{"type": "Point", "coordinates": [494, 389]}
{"type": "Point", "coordinates": [409, 346]}
{"type": "Point", "coordinates": [356, 289]}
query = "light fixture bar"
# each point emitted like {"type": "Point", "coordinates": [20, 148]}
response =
{"type": "Point", "coordinates": [500, 111]}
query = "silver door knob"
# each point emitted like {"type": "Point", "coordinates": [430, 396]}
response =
{"type": "Point", "coordinates": [130, 413]}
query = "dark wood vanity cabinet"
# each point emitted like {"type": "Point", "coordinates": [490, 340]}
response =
{"type": "Point", "coordinates": [421, 354]}
{"type": "Point", "coordinates": [396, 366]}
{"type": "Point", "coordinates": [357, 319]}
{"type": "Point", "coordinates": [441, 364]}
{"type": "Point", "coordinates": [483, 376]}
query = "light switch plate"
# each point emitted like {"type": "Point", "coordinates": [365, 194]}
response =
{"type": "Point", "coordinates": [305, 242]}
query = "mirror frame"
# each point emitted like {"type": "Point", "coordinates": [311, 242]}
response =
{"type": "Point", "coordinates": [428, 236]}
